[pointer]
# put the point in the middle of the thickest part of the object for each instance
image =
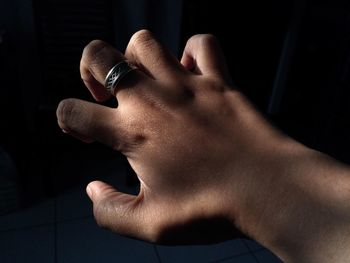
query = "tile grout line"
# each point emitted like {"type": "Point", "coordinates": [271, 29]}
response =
{"type": "Point", "coordinates": [75, 219]}
{"type": "Point", "coordinates": [44, 224]}
{"type": "Point", "coordinates": [251, 251]}
{"type": "Point", "coordinates": [231, 257]}
{"type": "Point", "coordinates": [157, 253]}
{"type": "Point", "coordinates": [55, 230]}
{"type": "Point", "coordinates": [25, 227]}
{"type": "Point", "coordinates": [254, 256]}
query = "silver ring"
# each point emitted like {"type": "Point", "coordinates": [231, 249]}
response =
{"type": "Point", "coordinates": [116, 73]}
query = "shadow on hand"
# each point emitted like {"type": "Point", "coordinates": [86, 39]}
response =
{"type": "Point", "coordinates": [200, 232]}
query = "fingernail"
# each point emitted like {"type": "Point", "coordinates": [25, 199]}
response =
{"type": "Point", "coordinates": [64, 131]}
{"type": "Point", "coordinates": [89, 191]}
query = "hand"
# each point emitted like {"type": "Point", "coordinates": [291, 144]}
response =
{"type": "Point", "coordinates": [205, 158]}
{"type": "Point", "coordinates": [194, 142]}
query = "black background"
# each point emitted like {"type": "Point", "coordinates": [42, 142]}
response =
{"type": "Point", "coordinates": [291, 58]}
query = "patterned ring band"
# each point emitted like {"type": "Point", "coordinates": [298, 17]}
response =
{"type": "Point", "coordinates": [116, 73]}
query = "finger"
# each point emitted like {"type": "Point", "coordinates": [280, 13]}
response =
{"type": "Point", "coordinates": [97, 60]}
{"type": "Point", "coordinates": [115, 210]}
{"type": "Point", "coordinates": [151, 56]}
{"type": "Point", "coordinates": [88, 121]}
{"type": "Point", "coordinates": [203, 56]}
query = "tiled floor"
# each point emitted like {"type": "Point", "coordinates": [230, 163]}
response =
{"type": "Point", "coordinates": [205, 253]}
{"type": "Point", "coordinates": [83, 239]}
{"type": "Point", "coordinates": [35, 235]}
{"type": "Point", "coordinates": [31, 244]}
{"type": "Point", "coordinates": [62, 230]}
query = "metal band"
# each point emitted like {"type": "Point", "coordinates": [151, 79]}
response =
{"type": "Point", "coordinates": [116, 73]}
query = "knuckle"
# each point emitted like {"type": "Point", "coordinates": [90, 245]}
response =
{"type": "Point", "coordinates": [207, 39]}
{"type": "Point", "coordinates": [91, 51]}
{"type": "Point", "coordinates": [141, 38]}
{"type": "Point", "coordinates": [131, 135]}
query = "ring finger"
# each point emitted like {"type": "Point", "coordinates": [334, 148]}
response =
{"type": "Point", "coordinates": [97, 60]}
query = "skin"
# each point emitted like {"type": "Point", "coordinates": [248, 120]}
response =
{"type": "Point", "coordinates": [205, 158]}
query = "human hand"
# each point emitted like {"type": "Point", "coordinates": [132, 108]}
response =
{"type": "Point", "coordinates": [206, 159]}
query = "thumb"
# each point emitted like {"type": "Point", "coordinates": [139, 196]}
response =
{"type": "Point", "coordinates": [116, 211]}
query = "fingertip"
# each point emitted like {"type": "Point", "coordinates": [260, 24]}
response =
{"type": "Point", "coordinates": [97, 90]}
{"type": "Point", "coordinates": [97, 189]}
{"type": "Point", "coordinates": [93, 187]}
{"type": "Point", "coordinates": [89, 191]}
{"type": "Point", "coordinates": [188, 62]}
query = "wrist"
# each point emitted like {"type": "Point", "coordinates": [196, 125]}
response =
{"type": "Point", "coordinates": [297, 207]}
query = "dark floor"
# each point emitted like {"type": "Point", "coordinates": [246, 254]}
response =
{"type": "Point", "coordinates": [62, 229]}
